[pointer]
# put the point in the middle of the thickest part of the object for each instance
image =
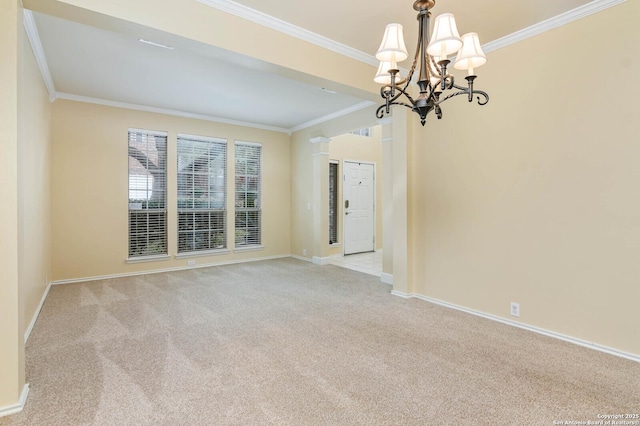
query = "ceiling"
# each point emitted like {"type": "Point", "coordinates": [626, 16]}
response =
{"type": "Point", "coordinates": [199, 80]}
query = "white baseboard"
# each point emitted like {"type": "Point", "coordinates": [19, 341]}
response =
{"type": "Point", "coordinates": [570, 339]}
{"type": "Point", "coordinates": [158, 271]}
{"type": "Point", "coordinates": [27, 332]}
{"type": "Point", "coordinates": [405, 295]}
{"type": "Point", "coordinates": [295, 256]}
{"type": "Point", "coordinates": [323, 260]}
{"type": "Point", "coordinates": [17, 407]}
{"type": "Point", "coordinates": [386, 278]}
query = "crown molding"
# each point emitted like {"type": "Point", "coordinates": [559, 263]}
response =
{"type": "Point", "coordinates": [320, 139]}
{"type": "Point", "coordinates": [551, 23]}
{"type": "Point", "coordinates": [263, 19]}
{"type": "Point", "coordinates": [300, 33]}
{"type": "Point", "coordinates": [345, 111]}
{"type": "Point", "coordinates": [384, 121]}
{"type": "Point", "coordinates": [146, 108]}
{"type": "Point", "coordinates": [36, 46]}
{"type": "Point", "coordinates": [269, 21]}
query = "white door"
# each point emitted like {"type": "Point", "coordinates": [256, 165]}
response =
{"type": "Point", "coordinates": [359, 219]}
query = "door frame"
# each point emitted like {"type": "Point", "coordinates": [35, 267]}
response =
{"type": "Point", "coordinates": [375, 202]}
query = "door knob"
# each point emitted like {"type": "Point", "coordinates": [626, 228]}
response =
{"type": "Point", "coordinates": [347, 212]}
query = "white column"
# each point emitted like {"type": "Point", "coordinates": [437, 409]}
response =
{"type": "Point", "coordinates": [400, 165]}
{"type": "Point", "coordinates": [387, 200]}
{"type": "Point", "coordinates": [320, 203]}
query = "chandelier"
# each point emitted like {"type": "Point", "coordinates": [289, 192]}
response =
{"type": "Point", "coordinates": [435, 84]}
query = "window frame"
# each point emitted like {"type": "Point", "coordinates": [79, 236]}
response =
{"type": "Point", "coordinates": [364, 131]}
{"type": "Point", "coordinates": [240, 206]}
{"type": "Point", "coordinates": [190, 207]}
{"type": "Point", "coordinates": [137, 206]}
{"type": "Point", "coordinates": [334, 203]}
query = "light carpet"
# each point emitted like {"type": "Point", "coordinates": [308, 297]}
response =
{"type": "Point", "coordinates": [286, 342]}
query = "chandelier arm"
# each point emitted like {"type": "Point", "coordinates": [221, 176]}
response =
{"type": "Point", "coordinates": [483, 94]}
{"type": "Point", "coordinates": [407, 96]}
{"type": "Point", "coordinates": [465, 91]}
{"type": "Point", "coordinates": [384, 90]}
{"type": "Point", "coordinates": [463, 88]}
{"type": "Point", "coordinates": [403, 104]}
{"type": "Point", "coordinates": [385, 93]}
{"type": "Point", "coordinates": [451, 95]}
{"type": "Point", "coordinates": [392, 100]}
{"type": "Point", "coordinates": [451, 82]}
{"type": "Point", "coordinates": [381, 111]}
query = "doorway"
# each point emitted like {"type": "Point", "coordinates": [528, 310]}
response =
{"type": "Point", "coordinates": [359, 207]}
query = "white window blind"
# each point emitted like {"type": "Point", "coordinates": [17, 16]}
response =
{"type": "Point", "coordinates": [333, 202]}
{"type": "Point", "coordinates": [248, 183]}
{"type": "Point", "coordinates": [202, 195]}
{"type": "Point", "coordinates": [147, 193]}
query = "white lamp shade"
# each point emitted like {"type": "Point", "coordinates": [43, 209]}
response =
{"type": "Point", "coordinates": [445, 39]}
{"type": "Point", "coordinates": [471, 55]}
{"type": "Point", "coordinates": [392, 47]}
{"type": "Point", "coordinates": [383, 76]}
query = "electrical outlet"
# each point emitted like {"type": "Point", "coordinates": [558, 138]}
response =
{"type": "Point", "coordinates": [515, 309]}
{"type": "Point", "coordinates": [191, 262]}
{"type": "Point", "coordinates": [304, 252]}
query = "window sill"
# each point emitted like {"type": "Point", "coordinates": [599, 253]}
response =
{"type": "Point", "coordinates": [335, 245]}
{"type": "Point", "coordinates": [142, 259]}
{"type": "Point", "coordinates": [215, 252]}
{"type": "Point", "coordinates": [248, 248]}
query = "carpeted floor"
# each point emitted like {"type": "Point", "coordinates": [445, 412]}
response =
{"type": "Point", "coordinates": [290, 343]}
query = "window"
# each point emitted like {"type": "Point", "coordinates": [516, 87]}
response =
{"type": "Point", "coordinates": [147, 193]}
{"type": "Point", "coordinates": [202, 195]}
{"type": "Point", "coordinates": [366, 131]}
{"type": "Point", "coordinates": [333, 202]}
{"type": "Point", "coordinates": [248, 188]}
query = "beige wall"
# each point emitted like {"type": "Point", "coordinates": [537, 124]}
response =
{"type": "Point", "coordinates": [534, 197]}
{"type": "Point", "coordinates": [366, 149]}
{"type": "Point", "coordinates": [34, 168]}
{"type": "Point", "coordinates": [302, 182]}
{"type": "Point", "coordinates": [89, 184]}
{"type": "Point", "coordinates": [11, 321]}
{"type": "Point", "coordinates": [25, 198]}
